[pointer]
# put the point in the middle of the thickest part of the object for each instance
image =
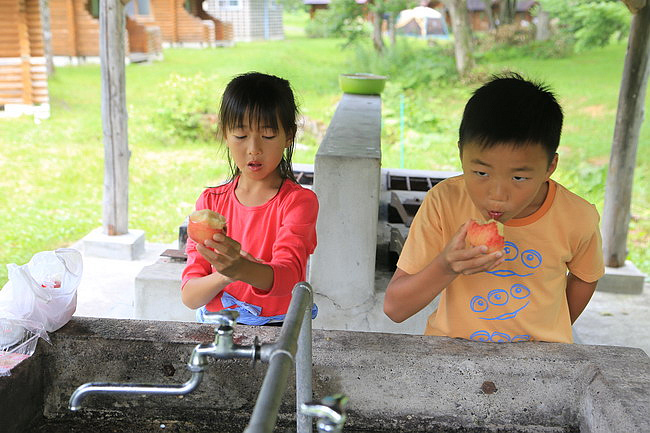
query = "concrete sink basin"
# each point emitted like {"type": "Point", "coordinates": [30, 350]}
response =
{"type": "Point", "coordinates": [395, 383]}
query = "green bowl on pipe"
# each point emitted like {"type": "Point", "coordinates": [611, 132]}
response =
{"type": "Point", "coordinates": [362, 84]}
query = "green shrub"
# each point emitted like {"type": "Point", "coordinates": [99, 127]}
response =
{"type": "Point", "coordinates": [319, 26]}
{"type": "Point", "coordinates": [343, 18]}
{"type": "Point", "coordinates": [411, 64]}
{"type": "Point", "coordinates": [589, 23]}
{"type": "Point", "coordinates": [513, 42]}
{"type": "Point", "coordinates": [187, 108]}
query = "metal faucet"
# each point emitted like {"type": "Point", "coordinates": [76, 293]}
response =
{"type": "Point", "coordinates": [293, 347]}
{"type": "Point", "coordinates": [223, 347]}
{"type": "Point", "coordinates": [330, 412]}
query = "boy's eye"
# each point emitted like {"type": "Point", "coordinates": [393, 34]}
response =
{"type": "Point", "coordinates": [239, 137]}
{"type": "Point", "coordinates": [519, 178]}
{"type": "Point", "coordinates": [480, 173]}
{"type": "Point", "coordinates": [268, 137]}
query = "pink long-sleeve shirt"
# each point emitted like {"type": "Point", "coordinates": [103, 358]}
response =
{"type": "Point", "coordinates": [281, 233]}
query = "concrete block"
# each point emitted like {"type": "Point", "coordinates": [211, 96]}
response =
{"type": "Point", "coordinates": [157, 294]}
{"type": "Point", "coordinates": [129, 246]}
{"type": "Point", "coordinates": [626, 279]}
{"type": "Point", "coordinates": [346, 180]}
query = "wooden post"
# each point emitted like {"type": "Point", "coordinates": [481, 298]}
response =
{"type": "Point", "coordinates": [629, 117]}
{"type": "Point", "coordinates": [114, 118]}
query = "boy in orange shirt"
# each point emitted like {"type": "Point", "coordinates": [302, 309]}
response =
{"type": "Point", "coordinates": [537, 286]}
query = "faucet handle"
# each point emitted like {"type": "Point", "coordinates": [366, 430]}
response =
{"type": "Point", "coordinates": [330, 412]}
{"type": "Point", "coordinates": [222, 318]}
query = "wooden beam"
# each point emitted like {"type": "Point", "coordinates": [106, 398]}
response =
{"type": "Point", "coordinates": [629, 117]}
{"type": "Point", "coordinates": [114, 118]}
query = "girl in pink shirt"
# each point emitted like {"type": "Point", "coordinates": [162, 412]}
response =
{"type": "Point", "coordinates": [271, 219]}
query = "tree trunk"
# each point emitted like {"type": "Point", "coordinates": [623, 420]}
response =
{"type": "Point", "coordinates": [507, 11]}
{"type": "Point", "coordinates": [543, 27]}
{"type": "Point", "coordinates": [114, 118]}
{"type": "Point", "coordinates": [377, 39]}
{"type": "Point", "coordinates": [462, 36]}
{"type": "Point", "coordinates": [489, 14]}
{"type": "Point", "coordinates": [47, 36]}
{"type": "Point", "coordinates": [629, 117]}
{"type": "Point", "coordinates": [391, 28]}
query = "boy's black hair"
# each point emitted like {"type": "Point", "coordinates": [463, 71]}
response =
{"type": "Point", "coordinates": [265, 99]}
{"type": "Point", "coordinates": [512, 110]}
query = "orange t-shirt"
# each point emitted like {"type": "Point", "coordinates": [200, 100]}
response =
{"type": "Point", "coordinates": [524, 299]}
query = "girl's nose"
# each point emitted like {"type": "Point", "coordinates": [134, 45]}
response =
{"type": "Point", "coordinates": [255, 146]}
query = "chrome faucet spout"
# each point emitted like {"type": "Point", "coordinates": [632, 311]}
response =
{"type": "Point", "coordinates": [132, 388]}
{"type": "Point", "coordinates": [330, 413]}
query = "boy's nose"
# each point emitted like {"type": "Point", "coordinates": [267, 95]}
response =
{"type": "Point", "coordinates": [498, 192]}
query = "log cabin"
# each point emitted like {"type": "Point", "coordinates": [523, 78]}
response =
{"type": "Point", "coordinates": [23, 70]}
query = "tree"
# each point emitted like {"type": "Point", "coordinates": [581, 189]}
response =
{"type": "Point", "coordinates": [385, 10]}
{"type": "Point", "coordinates": [507, 10]}
{"type": "Point", "coordinates": [462, 36]}
{"type": "Point", "coordinates": [489, 13]}
{"type": "Point", "coordinates": [345, 18]}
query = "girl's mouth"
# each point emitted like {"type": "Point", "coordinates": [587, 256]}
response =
{"type": "Point", "coordinates": [254, 165]}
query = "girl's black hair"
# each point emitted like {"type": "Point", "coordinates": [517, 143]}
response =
{"type": "Point", "coordinates": [265, 99]}
{"type": "Point", "coordinates": [512, 110]}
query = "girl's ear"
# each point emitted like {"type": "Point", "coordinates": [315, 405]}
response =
{"type": "Point", "coordinates": [291, 136]}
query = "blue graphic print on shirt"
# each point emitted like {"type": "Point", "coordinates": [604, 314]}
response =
{"type": "Point", "coordinates": [504, 304]}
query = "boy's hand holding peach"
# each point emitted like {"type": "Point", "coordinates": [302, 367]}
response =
{"type": "Point", "coordinates": [477, 258]}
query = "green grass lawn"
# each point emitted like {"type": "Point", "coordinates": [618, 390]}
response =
{"type": "Point", "coordinates": [52, 173]}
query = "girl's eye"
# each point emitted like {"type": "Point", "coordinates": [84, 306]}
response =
{"type": "Point", "coordinates": [268, 137]}
{"type": "Point", "coordinates": [239, 137]}
{"type": "Point", "coordinates": [480, 173]}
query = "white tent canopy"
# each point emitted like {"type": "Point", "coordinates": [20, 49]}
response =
{"type": "Point", "coordinates": [421, 21]}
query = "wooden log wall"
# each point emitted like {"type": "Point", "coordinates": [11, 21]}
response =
{"type": "Point", "coordinates": [143, 34]}
{"type": "Point", "coordinates": [75, 32]}
{"type": "Point", "coordinates": [223, 31]}
{"type": "Point", "coordinates": [178, 26]}
{"type": "Point", "coordinates": [23, 73]}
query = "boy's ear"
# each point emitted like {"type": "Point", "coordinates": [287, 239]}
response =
{"type": "Point", "coordinates": [552, 166]}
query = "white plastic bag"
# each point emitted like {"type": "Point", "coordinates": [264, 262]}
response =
{"type": "Point", "coordinates": [43, 290]}
{"type": "Point", "coordinates": [18, 338]}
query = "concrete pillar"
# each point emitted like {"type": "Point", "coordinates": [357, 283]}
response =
{"type": "Point", "coordinates": [346, 180]}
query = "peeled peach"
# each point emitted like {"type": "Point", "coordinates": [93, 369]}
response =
{"type": "Point", "coordinates": [489, 234]}
{"type": "Point", "coordinates": [204, 224]}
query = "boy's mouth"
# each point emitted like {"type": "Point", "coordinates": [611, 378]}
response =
{"type": "Point", "coordinates": [494, 214]}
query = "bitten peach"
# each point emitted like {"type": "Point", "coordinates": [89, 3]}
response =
{"type": "Point", "coordinates": [489, 234]}
{"type": "Point", "coordinates": [204, 224]}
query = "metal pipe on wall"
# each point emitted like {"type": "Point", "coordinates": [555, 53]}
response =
{"type": "Point", "coordinates": [280, 357]}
